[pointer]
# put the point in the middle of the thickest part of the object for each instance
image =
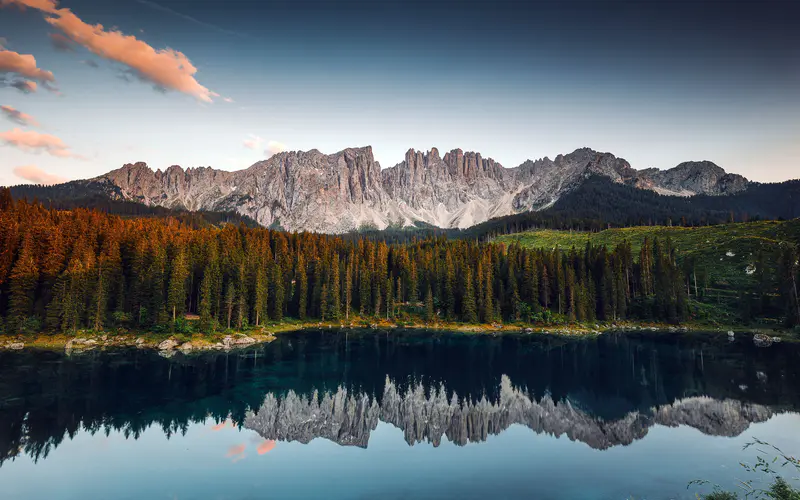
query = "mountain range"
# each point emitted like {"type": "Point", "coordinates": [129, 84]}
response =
{"type": "Point", "coordinates": [348, 190]}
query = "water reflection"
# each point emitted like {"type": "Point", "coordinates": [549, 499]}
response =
{"type": "Point", "coordinates": [603, 392]}
{"type": "Point", "coordinates": [427, 414]}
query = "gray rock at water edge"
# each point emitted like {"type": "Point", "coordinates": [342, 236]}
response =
{"type": "Point", "coordinates": [348, 190]}
{"type": "Point", "coordinates": [80, 343]}
{"type": "Point", "coordinates": [167, 345]}
{"type": "Point", "coordinates": [762, 340]}
{"type": "Point", "coordinates": [237, 340]}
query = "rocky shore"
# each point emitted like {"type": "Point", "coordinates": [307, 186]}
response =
{"type": "Point", "coordinates": [170, 344]}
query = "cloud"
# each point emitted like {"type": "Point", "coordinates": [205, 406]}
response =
{"type": "Point", "coordinates": [228, 99]}
{"type": "Point", "coordinates": [265, 447]}
{"type": "Point", "coordinates": [164, 68]}
{"type": "Point", "coordinates": [28, 140]}
{"type": "Point", "coordinates": [236, 453]}
{"type": "Point", "coordinates": [61, 43]}
{"type": "Point", "coordinates": [273, 148]}
{"type": "Point", "coordinates": [25, 86]}
{"type": "Point", "coordinates": [23, 65]}
{"type": "Point", "coordinates": [18, 116]}
{"type": "Point", "coordinates": [36, 175]}
{"type": "Point", "coordinates": [253, 142]}
{"type": "Point", "coordinates": [91, 63]}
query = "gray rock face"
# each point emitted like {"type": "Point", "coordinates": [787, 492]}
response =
{"type": "Point", "coordinates": [429, 415]}
{"type": "Point", "coordinates": [308, 190]}
{"type": "Point", "coordinates": [690, 178]}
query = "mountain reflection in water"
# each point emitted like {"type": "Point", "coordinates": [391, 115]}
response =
{"type": "Point", "coordinates": [338, 385]}
{"type": "Point", "coordinates": [425, 415]}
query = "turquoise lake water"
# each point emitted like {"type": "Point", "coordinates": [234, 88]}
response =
{"type": "Point", "coordinates": [348, 414]}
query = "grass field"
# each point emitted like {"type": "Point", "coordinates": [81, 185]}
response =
{"type": "Point", "coordinates": [729, 258]}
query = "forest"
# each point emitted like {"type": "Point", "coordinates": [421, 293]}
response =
{"type": "Point", "coordinates": [67, 270]}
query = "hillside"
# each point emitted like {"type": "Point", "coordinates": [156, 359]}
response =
{"type": "Point", "coordinates": [730, 261]}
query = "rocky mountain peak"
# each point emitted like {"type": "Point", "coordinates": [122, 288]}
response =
{"type": "Point", "coordinates": [310, 190]}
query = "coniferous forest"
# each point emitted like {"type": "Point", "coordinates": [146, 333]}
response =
{"type": "Point", "coordinates": [67, 270]}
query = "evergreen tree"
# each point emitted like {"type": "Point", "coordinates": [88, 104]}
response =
{"type": "Point", "coordinates": [470, 313]}
{"type": "Point", "coordinates": [22, 287]}
{"type": "Point", "coordinates": [430, 313]}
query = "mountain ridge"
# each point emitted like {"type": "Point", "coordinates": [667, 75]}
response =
{"type": "Point", "coordinates": [348, 190]}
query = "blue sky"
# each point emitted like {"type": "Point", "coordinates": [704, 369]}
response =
{"type": "Point", "coordinates": [656, 83]}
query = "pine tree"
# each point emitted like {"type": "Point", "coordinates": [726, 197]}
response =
{"type": "Point", "coordinates": [429, 308]}
{"type": "Point", "coordinates": [334, 292]}
{"type": "Point", "coordinates": [22, 288]}
{"type": "Point", "coordinates": [449, 287]}
{"type": "Point", "coordinates": [277, 291]}
{"type": "Point", "coordinates": [261, 293]}
{"type": "Point", "coordinates": [302, 288]}
{"type": "Point", "coordinates": [230, 301]}
{"type": "Point", "coordinates": [176, 295]}
{"type": "Point", "coordinates": [348, 287]}
{"type": "Point", "coordinates": [206, 299]}
{"type": "Point", "coordinates": [470, 313]}
{"type": "Point", "coordinates": [488, 312]}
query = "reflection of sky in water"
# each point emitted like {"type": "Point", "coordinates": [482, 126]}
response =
{"type": "Point", "coordinates": [514, 395]}
{"type": "Point", "coordinates": [203, 464]}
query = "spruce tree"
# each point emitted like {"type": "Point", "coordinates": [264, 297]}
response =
{"type": "Point", "coordinates": [469, 309]}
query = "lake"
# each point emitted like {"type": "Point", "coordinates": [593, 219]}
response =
{"type": "Point", "coordinates": [350, 414]}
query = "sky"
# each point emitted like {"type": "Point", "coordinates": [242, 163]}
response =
{"type": "Point", "coordinates": [87, 86]}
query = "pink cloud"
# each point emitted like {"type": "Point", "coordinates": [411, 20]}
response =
{"type": "Point", "coordinates": [253, 142]}
{"type": "Point", "coordinates": [165, 68]}
{"type": "Point", "coordinates": [274, 147]}
{"type": "Point", "coordinates": [18, 116]}
{"type": "Point", "coordinates": [23, 65]}
{"type": "Point", "coordinates": [29, 140]}
{"type": "Point", "coordinates": [265, 447]}
{"type": "Point", "coordinates": [236, 453]}
{"type": "Point", "coordinates": [36, 175]}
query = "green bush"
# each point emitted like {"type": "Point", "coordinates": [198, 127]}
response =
{"type": "Point", "coordinates": [720, 495]}
{"type": "Point", "coordinates": [120, 318]}
{"type": "Point", "coordinates": [181, 338]}
{"type": "Point", "coordinates": [182, 325]}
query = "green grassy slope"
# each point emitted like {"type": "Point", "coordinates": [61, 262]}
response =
{"type": "Point", "coordinates": [729, 259]}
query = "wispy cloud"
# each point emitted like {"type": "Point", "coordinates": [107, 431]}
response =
{"type": "Point", "coordinates": [274, 147]}
{"type": "Point", "coordinates": [164, 68]}
{"type": "Point", "coordinates": [253, 142]}
{"type": "Point", "coordinates": [36, 175]}
{"type": "Point", "coordinates": [236, 452]}
{"type": "Point", "coordinates": [34, 142]}
{"type": "Point", "coordinates": [61, 43]}
{"type": "Point", "coordinates": [24, 86]}
{"type": "Point", "coordinates": [18, 116]}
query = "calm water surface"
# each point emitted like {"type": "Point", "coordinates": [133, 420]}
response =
{"type": "Point", "coordinates": [396, 415]}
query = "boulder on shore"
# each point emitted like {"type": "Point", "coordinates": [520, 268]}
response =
{"type": "Point", "coordinates": [167, 345]}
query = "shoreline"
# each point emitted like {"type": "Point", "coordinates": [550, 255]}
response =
{"type": "Point", "coordinates": [171, 343]}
